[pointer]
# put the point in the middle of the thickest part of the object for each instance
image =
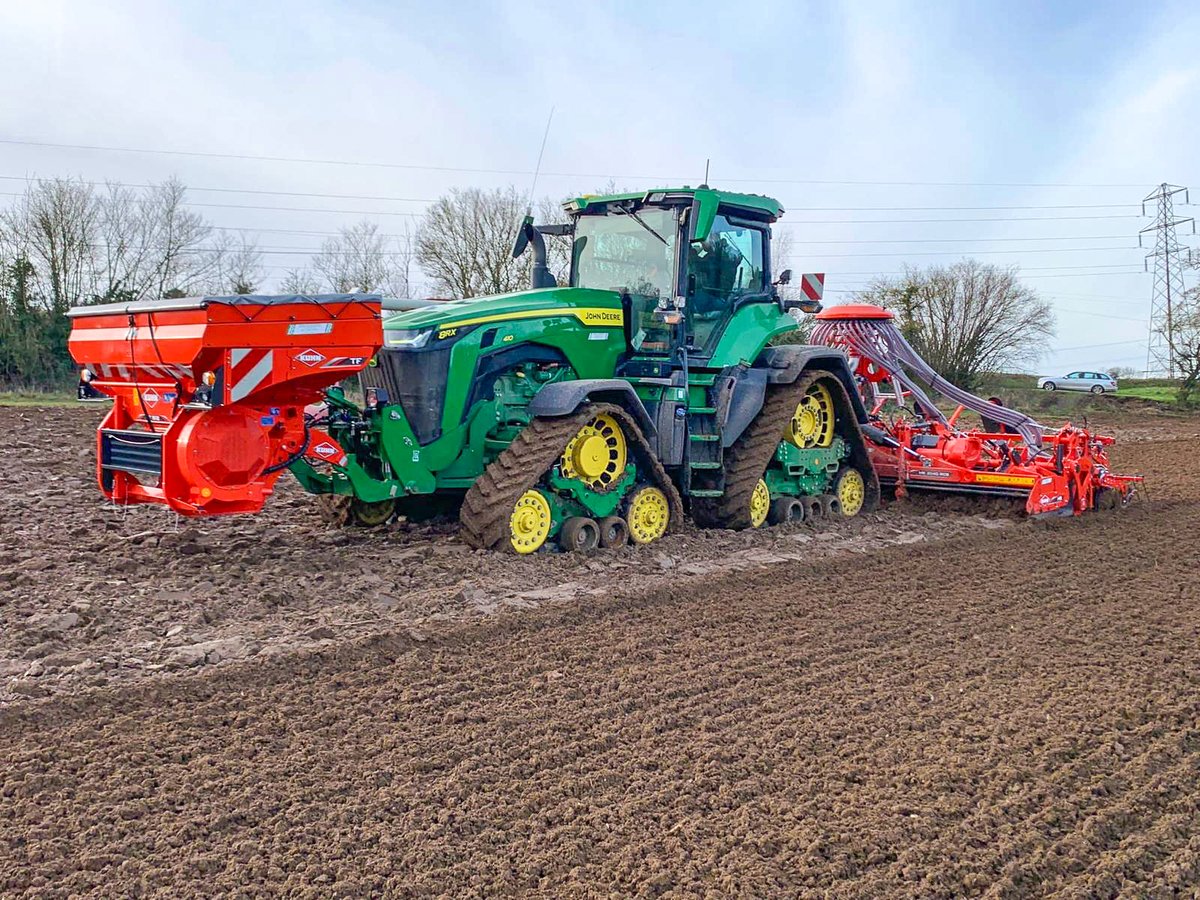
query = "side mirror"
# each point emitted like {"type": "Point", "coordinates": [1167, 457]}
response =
{"type": "Point", "coordinates": [785, 277]}
{"type": "Point", "coordinates": [522, 239]}
{"type": "Point", "coordinates": [805, 305]}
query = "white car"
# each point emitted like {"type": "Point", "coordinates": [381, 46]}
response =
{"type": "Point", "coordinates": [1094, 382]}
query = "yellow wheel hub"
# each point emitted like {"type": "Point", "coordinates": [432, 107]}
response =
{"type": "Point", "coordinates": [529, 524]}
{"type": "Point", "coordinates": [851, 491]}
{"type": "Point", "coordinates": [811, 424]}
{"type": "Point", "coordinates": [597, 454]}
{"type": "Point", "coordinates": [760, 504]}
{"type": "Point", "coordinates": [649, 515]}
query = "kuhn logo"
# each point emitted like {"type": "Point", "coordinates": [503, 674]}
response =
{"type": "Point", "coordinates": [310, 357]}
{"type": "Point", "coordinates": [326, 450]}
{"type": "Point", "coordinates": [150, 397]}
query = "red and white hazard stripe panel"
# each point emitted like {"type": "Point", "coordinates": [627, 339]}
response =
{"type": "Point", "coordinates": [813, 285]}
{"type": "Point", "coordinates": [248, 369]}
{"type": "Point", "coordinates": [141, 372]}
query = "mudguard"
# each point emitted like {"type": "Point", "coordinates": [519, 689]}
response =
{"type": "Point", "coordinates": [785, 363]}
{"type": "Point", "coordinates": [564, 397]}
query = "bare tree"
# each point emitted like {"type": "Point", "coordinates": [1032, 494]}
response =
{"type": "Point", "coordinates": [1184, 342]}
{"type": "Point", "coordinates": [237, 267]}
{"type": "Point", "coordinates": [177, 236]}
{"type": "Point", "coordinates": [54, 226]}
{"type": "Point", "coordinates": [967, 318]}
{"type": "Point", "coordinates": [300, 281]}
{"type": "Point", "coordinates": [401, 281]}
{"type": "Point", "coordinates": [465, 242]}
{"type": "Point", "coordinates": [356, 260]}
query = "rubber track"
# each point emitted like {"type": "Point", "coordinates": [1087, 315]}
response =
{"type": "Point", "coordinates": [488, 504]}
{"type": "Point", "coordinates": [750, 454]}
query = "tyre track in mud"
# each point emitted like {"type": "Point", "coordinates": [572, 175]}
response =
{"type": "Point", "coordinates": [1007, 713]}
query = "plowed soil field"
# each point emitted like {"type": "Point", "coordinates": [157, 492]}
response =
{"type": "Point", "coordinates": [921, 703]}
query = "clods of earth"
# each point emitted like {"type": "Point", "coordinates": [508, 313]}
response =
{"type": "Point", "coordinates": [925, 701]}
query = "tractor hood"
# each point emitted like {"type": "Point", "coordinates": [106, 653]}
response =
{"type": "Point", "coordinates": [589, 306]}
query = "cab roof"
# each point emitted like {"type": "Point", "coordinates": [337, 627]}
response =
{"type": "Point", "coordinates": [707, 198]}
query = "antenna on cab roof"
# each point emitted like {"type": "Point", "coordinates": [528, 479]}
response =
{"type": "Point", "coordinates": [538, 168]}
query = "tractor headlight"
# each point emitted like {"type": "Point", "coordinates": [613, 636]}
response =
{"type": "Point", "coordinates": [408, 339]}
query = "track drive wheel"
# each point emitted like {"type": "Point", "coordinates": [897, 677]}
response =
{"type": "Point", "coordinates": [812, 423]}
{"type": "Point", "coordinates": [649, 515]}
{"type": "Point", "coordinates": [597, 454]}
{"type": "Point", "coordinates": [529, 524]}
{"type": "Point", "coordinates": [850, 489]}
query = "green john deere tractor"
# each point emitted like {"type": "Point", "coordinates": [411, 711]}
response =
{"type": "Point", "coordinates": [596, 412]}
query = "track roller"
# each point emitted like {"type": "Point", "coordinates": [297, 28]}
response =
{"type": "Point", "coordinates": [579, 534]}
{"type": "Point", "coordinates": [785, 510]}
{"type": "Point", "coordinates": [614, 532]}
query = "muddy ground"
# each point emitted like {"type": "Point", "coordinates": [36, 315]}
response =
{"type": "Point", "coordinates": [926, 702]}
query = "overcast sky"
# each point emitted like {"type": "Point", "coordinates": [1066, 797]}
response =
{"type": "Point", "coordinates": [835, 109]}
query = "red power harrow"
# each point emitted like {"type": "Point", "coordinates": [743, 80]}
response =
{"type": "Point", "coordinates": [209, 392]}
{"type": "Point", "coordinates": [1062, 472]}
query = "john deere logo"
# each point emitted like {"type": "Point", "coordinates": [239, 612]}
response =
{"type": "Point", "coordinates": [326, 450]}
{"type": "Point", "coordinates": [310, 357]}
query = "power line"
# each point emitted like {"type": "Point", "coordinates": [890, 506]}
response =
{"type": "Point", "coordinates": [953, 208]}
{"type": "Point", "coordinates": [1095, 346]}
{"type": "Point", "coordinates": [372, 212]}
{"type": "Point", "coordinates": [373, 197]}
{"type": "Point", "coordinates": [221, 190]}
{"type": "Point", "coordinates": [1077, 237]}
{"type": "Point", "coordinates": [787, 224]}
{"type": "Point", "coordinates": [975, 252]}
{"type": "Point", "coordinates": [524, 172]}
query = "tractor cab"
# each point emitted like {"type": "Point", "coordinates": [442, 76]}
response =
{"type": "Point", "coordinates": [686, 260]}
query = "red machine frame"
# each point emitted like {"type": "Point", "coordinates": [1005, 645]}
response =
{"type": "Point", "coordinates": [209, 392]}
{"type": "Point", "coordinates": [1061, 472]}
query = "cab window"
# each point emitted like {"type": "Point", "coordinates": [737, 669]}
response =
{"type": "Point", "coordinates": [727, 265]}
{"type": "Point", "coordinates": [618, 252]}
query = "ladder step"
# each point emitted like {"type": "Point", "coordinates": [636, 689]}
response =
{"type": "Point", "coordinates": [704, 437]}
{"type": "Point", "coordinates": [699, 493]}
{"type": "Point", "coordinates": [705, 465]}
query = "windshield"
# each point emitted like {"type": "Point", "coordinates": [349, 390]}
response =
{"type": "Point", "coordinates": [619, 253]}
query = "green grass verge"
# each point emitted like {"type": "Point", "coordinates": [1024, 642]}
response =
{"type": "Point", "coordinates": [1150, 392]}
{"type": "Point", "coordinates": [37, 398]}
